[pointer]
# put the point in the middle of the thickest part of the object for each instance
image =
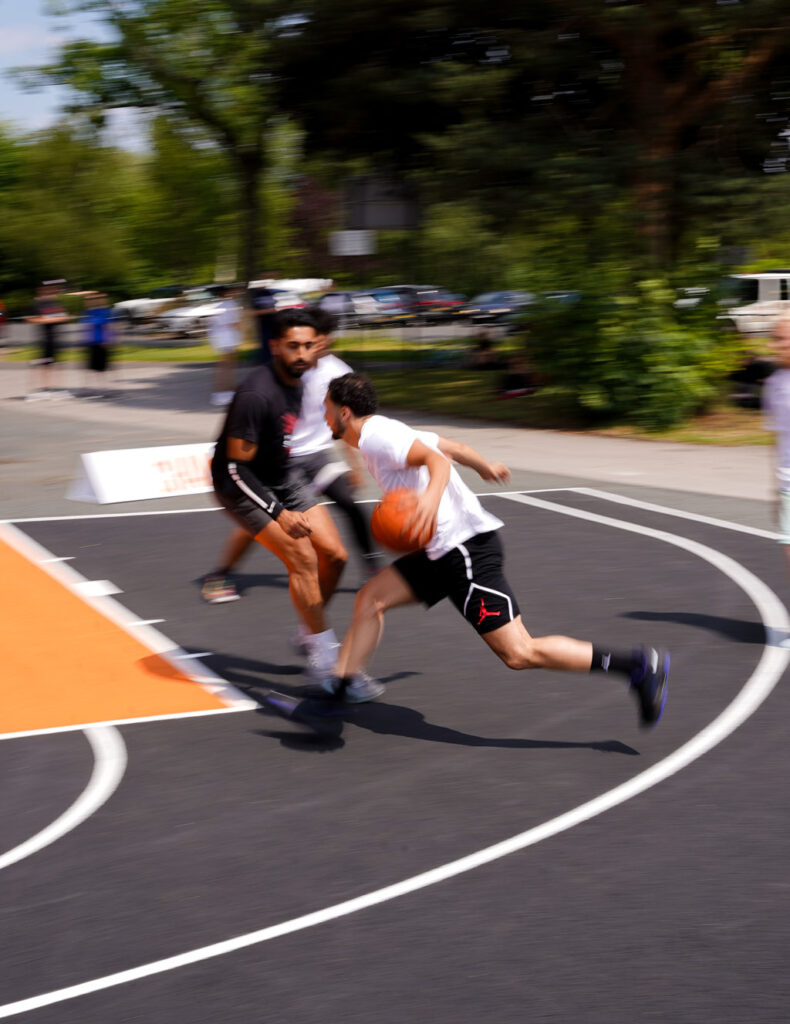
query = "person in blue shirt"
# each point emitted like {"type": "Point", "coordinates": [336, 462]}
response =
{"type": "Point", "coordinates": [98, 318]}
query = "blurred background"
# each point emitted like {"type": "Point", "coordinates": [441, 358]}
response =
{"type": "Point", "coordinates": [581, 207]}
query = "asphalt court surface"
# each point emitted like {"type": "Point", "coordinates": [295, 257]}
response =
{"type": "Point", "coordinates": [670, 906]}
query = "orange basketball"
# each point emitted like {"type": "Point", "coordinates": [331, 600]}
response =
{"type": "Point", "coordinates": [389, 518]}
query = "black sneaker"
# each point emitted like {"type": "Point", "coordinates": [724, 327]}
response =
{"type": "Point", "coordinates": [649, 680]}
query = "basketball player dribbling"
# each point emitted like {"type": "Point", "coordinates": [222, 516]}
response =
{"type": "Point", "coordinates": [462, 561]}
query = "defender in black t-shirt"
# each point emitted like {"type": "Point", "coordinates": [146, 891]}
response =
{"type": "Point", "coordinates": [249, 472]}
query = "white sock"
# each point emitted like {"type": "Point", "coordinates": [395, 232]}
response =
{"type": "Point", "coordinates": [322, 642]}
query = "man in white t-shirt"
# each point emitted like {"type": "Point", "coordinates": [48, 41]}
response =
{"type": "Point", "coordinates": [224, 333]}
{"type": "Point", "coordinates": [462, 561]}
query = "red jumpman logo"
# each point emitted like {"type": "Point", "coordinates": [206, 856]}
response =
{"type": "Point", "coordinates": [483, 611]}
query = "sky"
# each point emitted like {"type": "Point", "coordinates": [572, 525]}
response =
{"type": "Point", "coordinates": [29, 35]}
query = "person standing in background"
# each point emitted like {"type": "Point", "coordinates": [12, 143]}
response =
{"type": "Point", "coordinates": [97, 319]}
{"type": "Point", "coordinates": [776, 417]}
{"type": "Point", "coordinates": [224, 332]}
{"type": "Point", "coordinates": [263, 308]}
{"type": "Point", "coordinates": [49, 313]}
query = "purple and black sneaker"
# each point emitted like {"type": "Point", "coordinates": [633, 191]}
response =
{"type": "Point", "coordinates": [649, 680]}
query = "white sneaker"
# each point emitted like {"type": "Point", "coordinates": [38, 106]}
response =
{"type": "Point", "coordinates": [362, 688]}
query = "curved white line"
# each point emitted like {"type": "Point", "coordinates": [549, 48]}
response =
{"type": "Point", "coordinates": [109, 753]}
{"type": "Point", "coordinates": [759, 685]}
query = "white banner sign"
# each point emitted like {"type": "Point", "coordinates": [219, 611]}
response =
{"type": "Point", "coordinates": [133, 474]}
{"type": "Point", "coordinates": [352, 243]}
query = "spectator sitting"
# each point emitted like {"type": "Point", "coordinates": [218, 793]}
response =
{"type": "Point", "coordinates": [518, 379]}
{"type": "Point", "coordinates": [483, 356]}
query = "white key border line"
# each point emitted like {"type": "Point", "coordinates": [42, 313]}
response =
{"type": "Point", "coordinates": [755, 691]}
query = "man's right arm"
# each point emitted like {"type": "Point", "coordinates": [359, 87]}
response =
{"type": "Point", "coordinates": [240, 454]}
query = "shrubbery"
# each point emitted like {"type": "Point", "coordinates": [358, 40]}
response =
{"type": "Point", "coordinates": [632, 357]}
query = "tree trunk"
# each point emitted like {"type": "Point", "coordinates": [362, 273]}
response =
{"type": "Point", "coordinates": [249, 167]}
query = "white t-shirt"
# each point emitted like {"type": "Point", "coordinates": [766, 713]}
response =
{"type": "Point", "coordinates": [311, 433]}
{"type": "Point", "coordinates": [224, 327]}
{"type": "Point", "coordinates": [776, 416]}
{"type": "Point", "coordinates": [384, 445]}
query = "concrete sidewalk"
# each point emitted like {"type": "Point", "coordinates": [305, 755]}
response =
{"type": "Point", "coordinates": [164, 403]}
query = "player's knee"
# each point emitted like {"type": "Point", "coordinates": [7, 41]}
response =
{"type": "Point", "coordinates": [520, 657]}
{"type": "Point", "coordinates": [367, 603]}
{"type": "Point", "coordinates": [338, 556]}
{"type": "Point", "coordinates": [303, 561]}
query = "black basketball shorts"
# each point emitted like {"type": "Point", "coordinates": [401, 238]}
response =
{"type": "Point", "coordinates": [471, 575]}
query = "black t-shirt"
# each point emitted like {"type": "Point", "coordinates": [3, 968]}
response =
{"type": "Point", "coordinates": [263, 411]}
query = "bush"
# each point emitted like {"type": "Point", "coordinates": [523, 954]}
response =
{"type": "Point", "coordinates": [629, 358]}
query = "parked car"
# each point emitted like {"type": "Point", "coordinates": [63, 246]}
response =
{"type": "Point", "coordinates": [394, 306]}
{"type": "Point", "coordinates": [498, 307]}
{"type": "Point", "coordinates": [415, 303]}
{"type": "Point", "coordinates": [352, 309]}
{"type": "Point", "coordinates": [191, 320]}
{"type": "Point", "coordinates": [764, 297]}
{"type": "Point", "coordinates": [137, 311]}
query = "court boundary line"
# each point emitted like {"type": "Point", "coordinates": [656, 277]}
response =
{"type": "Point", "coordinates": [109, 765]}
{"type": "Point", "coordinates": [754, 692]}
{"type": "Point", "coordinates": [679, 513]}
{"type": "Point", "coordinates": [219, 508]}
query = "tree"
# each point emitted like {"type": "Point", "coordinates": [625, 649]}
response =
{"type": "Point", "coordinates": [573, 100]}
{"type": "Point", "coordinates": [204, 64]}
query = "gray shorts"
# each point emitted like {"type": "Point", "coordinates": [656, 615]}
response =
{"type": "Point", "coordinates": [315, 472]}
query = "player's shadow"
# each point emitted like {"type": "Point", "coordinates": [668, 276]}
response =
{"type": "Point", "coordinates": [324, 719]}
{"type": "Point", "coordinates": [323, 722]}
{"type": "Point", "coordinates": [397, 720]}
{"type": "Point", "coordinates": [740, 630]}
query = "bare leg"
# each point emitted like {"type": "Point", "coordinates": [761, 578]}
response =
{"type": "Point", "coordinates": [301, 562]}
{"type": "Point", "coordinates": [236, 546]}
{"type": "Point", "coordinates": [518, 650]}
{"type": "Point", "coordinates": [332, 555]}
{"type": "Point", "coordinates": [386, 590]}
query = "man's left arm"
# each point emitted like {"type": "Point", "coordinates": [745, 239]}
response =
{"type": "Point", "coordinates": [466, 456]}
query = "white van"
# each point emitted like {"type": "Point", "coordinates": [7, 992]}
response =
{"type": "Point", "coordinates": [764, 297]}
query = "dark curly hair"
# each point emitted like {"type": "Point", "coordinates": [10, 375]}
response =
{"type": "Point", "coordinates": [355, 391]}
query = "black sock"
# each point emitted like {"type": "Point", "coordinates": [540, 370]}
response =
{"type": "Point", "coordinates": [604, 660]}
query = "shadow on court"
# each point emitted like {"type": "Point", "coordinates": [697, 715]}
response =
{"type": "Point", "coordinates": [739, 630]}
{"type": "Point", "coordinates": [322, 723]}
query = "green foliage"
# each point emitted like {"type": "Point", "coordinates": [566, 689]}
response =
{"type": "Point", "coordinates": [629, 357]}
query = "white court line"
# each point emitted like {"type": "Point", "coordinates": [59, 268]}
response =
{"type": "Point", "coordinates": [111, 515]}
{"type": "Point", "coordinates": [217, 508]}
{"type": "Point", "coordinates": [109, 752]}
{"type": "Point", "coordinates": [171, 716]}
{"type": "Point", "coordinates": [769, 669]}
{"type": "Point", "coordinates": [666, 510]}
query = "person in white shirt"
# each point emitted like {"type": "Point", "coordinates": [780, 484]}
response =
{"type": "Point", "coordinates": [776, 417]}
{"type": "Point", "coordinates": [462, 561]}
{"type": "Point", "coordinates": [224, 333]}
{"type": "Point", "coordinates": [312, 465]}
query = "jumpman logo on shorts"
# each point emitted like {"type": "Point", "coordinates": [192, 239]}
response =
{"type": "Point", "coordinates": [484, 613]}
